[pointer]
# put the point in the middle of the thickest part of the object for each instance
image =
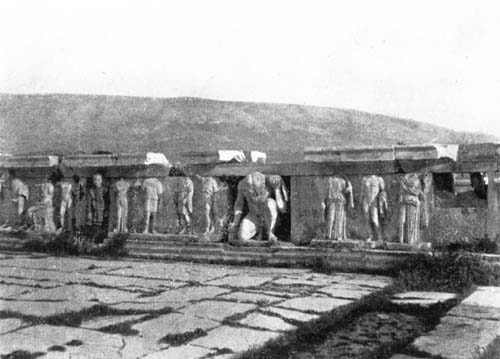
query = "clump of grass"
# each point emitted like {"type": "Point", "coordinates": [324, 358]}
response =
{"type": "Point", "coordinates": [182, 338]}
{"type": "Point", "coordinates": [449, 271]}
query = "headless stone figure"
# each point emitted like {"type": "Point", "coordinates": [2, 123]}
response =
{"type": "Point", "coordinates": [374, 204]}
{"type": "Point", "coordinates": [410, 200]}
{"type": "Point", "coordinates": [97, 205]}
{"type": "Point", "coordinates": [42, 213]}
{"type": "Point", "coordinates": [66, 203]}
{"type": "Point", "coordinates": [339, 195]}
{"type": "Point", "coordinates": [121, 188]}
{"type": "Point", "coordinates": [21, 195]}
{"type": "Point", "coordinates": [154, 190]}
{"type": "Point", "coordinates": [183, 200]}
{"type": "Point", "coordinates": [209, 188]}
{"type": "Point", "coordinates": [254, 195]}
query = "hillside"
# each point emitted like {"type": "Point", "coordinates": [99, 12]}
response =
{"type": "Point", "coordinates": [82, 123]}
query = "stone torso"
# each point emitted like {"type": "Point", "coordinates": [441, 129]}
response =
{"type": "Point", "coordinates": [337, 188]}
{"type": "Point", "coordinates": [371, 188]}
{"type": "Point", "coordinates": [153, 188]}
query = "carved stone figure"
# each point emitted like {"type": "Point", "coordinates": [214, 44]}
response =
{"type": "Point", "coordinates": [209, 187]}
{"type": "Point", "coordinates": [154, 190]}
{"type": "Point", "coordinates": [183, 199]}
{"type": "Point", "coordinates": [79, 194]}
{"type": "Point", "coordinates": [4, 177]}
{"type": "Point", "coordinates": [21, 195]}
{"type": "Point", "coordinates": [97, 207]}
{"type": "Point", "coordinates": [410, 199]}
{"type": "Point", "coordinates": [339, 196]}
{"type": "Point", "coordinates": [121, 188]}
{"type": "Point", "coordinates": [374, 204]}
{"type": "Point", "coordinates": [254, 194]}
{"type": "Point", "coordinates": [66, 202]}
{"type": "Point", "coordinates": [42, 213]}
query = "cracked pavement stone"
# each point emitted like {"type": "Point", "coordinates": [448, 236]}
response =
{"type": "Point", "coordinates": [185, 294]}
{"type": "Point", "coordinates": [102, 322]}
{"type": "Point", "coordinates": [241, 281]}
{"type": "Point", "coordinates": [342, 291]}
{"type": "Point", "coordinates": [43, 309]}
{"type": "Point", "coordinates": [10, 324]}
{"type": "Point", "coordinates": [262, 321]}
{"type": "Point", "coordinates": [314, 304]}
{"type": "Point", "coordinates": [235, 339]}
{"type": "Point", "coordinates": [173, 323]}
{"type": "Point", "coordinates": [182, 352]}
{"type": "Point", "coordinates": [250, 297]}
{"type": "Point", "coordinates": [7, 290]}
{"type": "Point", "coordinates": [217, 310]}
{"type": "Point", "coordinates": [292, 314]}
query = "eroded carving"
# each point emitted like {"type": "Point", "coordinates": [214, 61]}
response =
{"type": "Point", "coordinates": [154, 191]}
{"type": "Point", "coordinates": [183, 189]}
{"type": "Point", "coordinates": [67, 195]}
{"type": "Point", "coordinates": [374, 205]}
{"type": "Point", "coordinates": [210, 187]}
{"type": "Point", "coordinates": [121, 189]}
{"type": "Point", "coordinates": [97, 207]}
{"type": "Point", "coordinates": [264, 198]}
{"type": "Point", "coordinates": [410, 198]}
{"type": "Point", "coordinates": [339, 195]}
{"type": "Point", "coordinates": [41, 214]}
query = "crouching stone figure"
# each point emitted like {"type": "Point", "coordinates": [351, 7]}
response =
{"type": "Point", "coordinates": [264, 198]}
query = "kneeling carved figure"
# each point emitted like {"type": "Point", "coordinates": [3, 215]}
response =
{"type": "Point", "coordinates": [264, 197]}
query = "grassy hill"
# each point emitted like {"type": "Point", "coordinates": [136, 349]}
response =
{"type": "Point", "coordinates": [66, 124]}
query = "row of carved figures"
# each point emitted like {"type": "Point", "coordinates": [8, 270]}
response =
{"type": "Point", "coordinates": [259, 201]}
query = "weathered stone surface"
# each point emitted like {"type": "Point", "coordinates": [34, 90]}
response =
{"type": "Point", "coordinates": [173, 323]}
{"type": "Point", "coordinates": [241, 281]}
{"type": "Point", "coordinates": [292, 314]}
{"type": "Point", "coordinates": [374, 282]}
{"type": "Point", "coordinates": [147, 306]}
{"type": "Point", "coordinates": [458, 338]}
{"type": "Point", "coordinates": [217, 310]}
{"type": "Point", "coordinates": [62, 264]}
{"type": "Point", "coordinates": [301, 281]}
{"type": "Point", "coordinates": [343, 292]}
{"type": "Point", "coordinates": [10, 324]}
{"type": "Point", "coordinates": [249, 297]}
{"type": "Point", "coordinates": [484, 297]}
{"type": "Point", "coordinates": [314, 304]}
{"type": "Point", "coordinates": [29, 282]}
{"type": "Point", "coordinates": [423, 299]}
{"type": "Point", "coordinates": [241, 339]}
{"type": "Point", "coordinates": [475, 312]}
{"type": "Point", "coordinates": [138, 347]}
{"type": "Point", "coordinates": [182, 352]}
{"type": "Point", "coordinates": [7, 290]}
{"type": "Point", "coordinates": [262, 321]}
{"type": "Point", "coordinates": [101, 322]}
{"type": "Point", "coordinates": [403, 356]}
{"type": "Point", "coordinates": [77, 293]}
{"type": "Point", "coordinates": [95, 344]}
{"type": "Point", "coordinates": [183, 295]}
{"type": "Point", "coordinates": [129, 283]}
{"type": "Point", "coordinates": [43, 309]}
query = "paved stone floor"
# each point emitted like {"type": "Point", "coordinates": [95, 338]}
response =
{"type": "Point", "coordinates": [68, 307]}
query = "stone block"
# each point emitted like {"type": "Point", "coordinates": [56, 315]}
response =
{"type": "Point", "coordinates": [102, 322]}
{"type": "Point", "coordinates": [250, 297]}
{"type": "Point", "coordinates": [10, 324]}
{"type": "Point", "coordinates": [424, 299]}
{"type": "Point", "coordinates": [262, 321]}
{"type": "Point", "coordinates": [184, 295]}
{"type": "Point", "coordinates": [217, 310]}
{"type": "Point", "coordinates": [235, 339]}
{"type": "Point", "coordinates": [241, 281]}
{"type": "Point", "coordinates": [346, 293]}
{"type": "Point", "coordinates": [293, 314]}
{"type": "Point", "coordinates": [349, 154]}
{"type": "Point", "coordinates": [458, 338]}
{"type": "Point", "coordinates": [314, 304]}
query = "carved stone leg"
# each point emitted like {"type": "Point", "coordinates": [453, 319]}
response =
{"type": "Point", "coordinates": [124, 216]}
{"type": "Point", "coordinates": [330, 214]}
{"type": "Point", "coordinates": [146, 228]}
{"type": "Point", "coordinates": [402, 221]}
{"type": "Point", "coordinates": [153, 223]}
{"type": "Point", "coordinates": [271, 215]}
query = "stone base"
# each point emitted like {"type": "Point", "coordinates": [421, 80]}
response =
{"type": "Point", "coordinates": [354, 244]}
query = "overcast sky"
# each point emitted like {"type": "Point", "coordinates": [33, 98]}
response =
{"type": "Point", "coordinates": [433, 61]}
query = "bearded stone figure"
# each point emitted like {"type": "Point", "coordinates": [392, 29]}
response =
{"type": "Point", "coordinates": [374, 204]}
{"type": "Point", "coordinates": [411, 199]}
{"type": "Point", "coordinates": [264, 198]}
{"type": "Point", "coordinates": [338, 197]}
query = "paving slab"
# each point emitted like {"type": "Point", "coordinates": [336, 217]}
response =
{"type": "Point", "coordinates": [423, 299]}
{"type": "Point", "coordinates": [262, 321]}
{"type": "Point", "coordinates": [475, 312]}
{"type": "Point", "coordinates": [292, 314]}
{"type": "Point", "coordinates": [30, 282]}
{"type": "Point", "coordinates": [185, 294]}
{"type": "Point", "coordinates": [10, 324]}
{"type": "Point", "coordinates": [76, 292]}
{"type": "Point", "coordinates": [314, 304]}
{"type": "Point", "coordinates": [217, 310]}
{"type": "Point", "coordinates": [241, 281]}
{"type": "Point", "coordinates": [310, 281]}
{"type": "Point", "coordinates": [129, 283]}
{"type": "Point", "coordinates": [94, 344]}
{"type": "Point", "coordinates": [458, 338]}
{"type": "Point", "coordinates": [484, 297]}
{"type": "Point", "coordinates": [138, 347]}
{"type": "Point", "coordinates": [251, 297]}
{"type": "Point", "coordinates": [182, 352]}
{"type": "Point", "coordinates": [174, 323]}
{"type": "Point", "coordinates": [342, 291]}
{"type": "Point", "coordinates": [62, 264]}
{"type": "Point", "coordinates": [241, 339]}
{"type": "Point", "coordinates": [147, 306]}
{"type": "Point", "coordinates": [43, 309]}
{"type": "Point", "coordinates": [7, 290]}
{"type": "Point", "coordinates": [106, 321]}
